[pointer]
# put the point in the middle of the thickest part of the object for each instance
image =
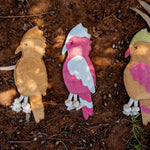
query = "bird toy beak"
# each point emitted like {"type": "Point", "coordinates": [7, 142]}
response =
{"type": "Point", "coordinates": [19, 49]}
{"type": "Point", "coordinates": [127, 53]}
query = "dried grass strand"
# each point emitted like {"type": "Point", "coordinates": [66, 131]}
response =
{"type": "Point", "coordinates": [143, 15]}
{"type": "Point", "coordinates": [145, 5]}
{"type": "Point", "coordinates": [27, 16]}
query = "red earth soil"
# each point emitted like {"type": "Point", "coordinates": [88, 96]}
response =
{"type": "Point", "coordinates": [112, 25]}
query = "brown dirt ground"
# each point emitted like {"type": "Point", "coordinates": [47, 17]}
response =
{"type": "Point", "coordinates": [108, 21]}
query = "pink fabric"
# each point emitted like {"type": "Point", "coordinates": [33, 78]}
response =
{"type": "Point", "coordinates": [141, 73]}
{"type": "Point", "coordinates": [87, 112]}
{"type": "Point", "coordinates": [145, 109]}
{"type": "Point", "coordinates": [86, 96]}
{"type": "Point", "coordinates": [79, 46]}
{"type": "Point", "coordinates": [127, 53]}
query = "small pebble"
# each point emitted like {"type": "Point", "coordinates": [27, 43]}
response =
{"type": "Point", "coordinates": [42, 142]}
{"type": "Point", "coordinates": [119, 16]}
{"type": "Point", "coordinates": [11, 11]}
{"type": "Point", "coordinates": [11, 81]}
{"type": "Point", "coordinates": [12, 147]}
{"type": "Point", "coordinates": [96, 34]}
{"type": "Point", "coordinates": [35, 139]}
{"type": "Point", "coordinates": [84, 140]}
{"type": "Point", "coordinates": [92, 131]}
{"type": "Point", "coordinates": [113, 46]}
{"type": "Point", "coordinates": [20, 120]}
{"type": "Point", "coordinates": [25, 27]}
{"type": "Point", "coordinates": [112, 29]}
{"type": "Point", "coordinates": [104, 96]}
{"type": "Point", "coordinates": [93, 29]}
{"type": "Point", "coordinates": [119, 42]}
{"type": "Point", "coordinates": [91, 145]}
{"type": "Point", "coordinates": [16, 145]}
{"type": "Point", "coordinates": [122, 42]}
{"type": "Point", "coordinates": [116, 60]}
{"type": "Point", "coordinates": [105, 104]}
{"type": "Point", "coordinates": [119, 47]}
{"type": "Point", "coordinates": [115, 85]}
{"type": "Point", "coordinates": [40, 136]}
{"type": "Point", "coordinates": [109, 95]}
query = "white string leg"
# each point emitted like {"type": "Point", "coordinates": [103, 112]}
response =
{"type": "Point", "coordinates": [127, 107]}
{"type": "Point", "coordinates": [68, 102]}
{"type": "Point", "coordinates": [131, 101]}
{"type": "Point", "coordinates": [76, 103]}
{"type": "Point", "coordinates": [16, 105]}
{"type": "Point", "coordinates": [135, 109]}
{"type": "Point", "coordinates": [79, 107]}
{"type": "Point", "coordinates": [26, 108]}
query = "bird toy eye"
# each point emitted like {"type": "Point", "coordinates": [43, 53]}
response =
{"type": "Point", "coordinates": [71, 43]}
{"type": "Point", "coordinates": [135, 47]}
{"type": "Point", "coordinates": [25, 44]}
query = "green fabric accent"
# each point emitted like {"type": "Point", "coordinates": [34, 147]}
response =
{"type": "Point", "coordinates": [142, 35]}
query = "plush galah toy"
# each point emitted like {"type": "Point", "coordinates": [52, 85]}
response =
{"type": "Point", "coordinates": [78, 71]}
{"type": "Point", "coordinates": [137, 73]}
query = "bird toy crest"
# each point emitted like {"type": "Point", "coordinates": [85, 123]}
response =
{"type": "Point", "coordinates": [78, 71]}
{"type": "Point", "coordinates": [137, 72]}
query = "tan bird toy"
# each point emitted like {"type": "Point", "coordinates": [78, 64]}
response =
{"type": "Point", "coordinates": [137, 72]}
{"type": "Point", "coordinates": [30, 74]}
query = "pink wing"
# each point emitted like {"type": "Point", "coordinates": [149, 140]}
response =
{"type": "Point", "coordinates": [141, 73]}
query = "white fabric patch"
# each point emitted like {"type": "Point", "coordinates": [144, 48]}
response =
{"type": "Point", "coordinates": [78, 66]}
{"type": "Point", "coordinates": [86, 103]}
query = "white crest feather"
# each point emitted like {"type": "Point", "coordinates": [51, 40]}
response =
{"type": "Point", "coordinates": [79, 31]}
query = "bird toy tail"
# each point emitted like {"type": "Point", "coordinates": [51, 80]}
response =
{"type": "Point", "coordinates": [87, 104]}
{"type": "Point", "coordinates": [37, 107]}
{"type": "Point", "coordinates": [145, 110]}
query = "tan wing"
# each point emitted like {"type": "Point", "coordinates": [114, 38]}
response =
{"type": "Point", "coordinates": [30, 77]}
{"type": "Point", "coordinates": [140, 52]}
{"type": "Point", "coordinates": [134, 89]}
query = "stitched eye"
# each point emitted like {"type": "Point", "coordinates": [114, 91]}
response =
{"type": "Point", "coordinates": [71, 43]}
{"type": "Point", "coordinates": [25, 44]}
{"type": "Point", "coordinates": [135, 47]}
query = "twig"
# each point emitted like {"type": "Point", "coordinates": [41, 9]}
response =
{"type": "Point", "coordinates": [117, 18]}
{"type": "Point", "coordinates": [62, 143]}
{"type": "Point", "coordinates": [28, 4]}
{"type": "Point", "coordinates": [19, 141]}
{"type": "Point", "coordinates": [50, 42]}
{"type": "Point", "coordinates": [99, 125]}
{"type": "Point", "coordinates": [27, 16]}
{"type": "Point", "coordinates": [58, 139]}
